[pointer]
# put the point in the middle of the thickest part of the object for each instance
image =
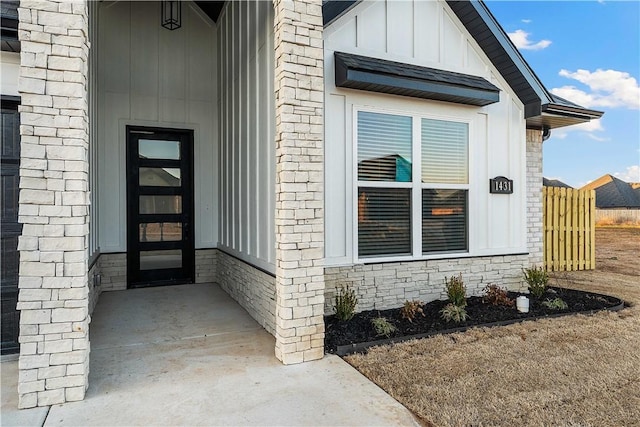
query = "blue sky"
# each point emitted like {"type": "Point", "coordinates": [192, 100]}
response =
{"type": "Point", "coordinates": [589, 53]}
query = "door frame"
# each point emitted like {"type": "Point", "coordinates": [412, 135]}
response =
{"type": "Point", "coordinates": [187, 244]}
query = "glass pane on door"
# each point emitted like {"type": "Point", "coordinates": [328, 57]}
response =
{"type": "Point", "coordinates": [158, 149]}
{"type": "Point", "coordinates": [160, 177]}
{"type": "Point", "coordinates": [160, 204]}
{"type": "Point", "coordinates": [159, 260]}
{"type": "Point", "coordinates": [161, 232]}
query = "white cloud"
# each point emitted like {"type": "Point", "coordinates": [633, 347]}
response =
{"type": "Point", "coordinates": [588, 127]}
{"type": "Point", "coordinates": [632, 174]}
{"type": "Point", "coordinates": [521, 39]}
{"type": "Point", "coordinates": [526, 21]}
{"type": "Point", "coordinates": [607, 88]}
{"type": "Point", "coordinates": [598, 138]}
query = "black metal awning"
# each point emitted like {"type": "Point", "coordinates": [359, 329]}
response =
{"type": "Point", "coordinates": [379, 75]}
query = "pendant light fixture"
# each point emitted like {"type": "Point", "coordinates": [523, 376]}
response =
{"type": "Point", "coordinates": [171, 12]}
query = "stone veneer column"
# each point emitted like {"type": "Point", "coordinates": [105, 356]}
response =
{"type": "Point", "coordinates": [534, 197]}
{"type": "Point", "coordinates": [53, 292]}
{"type": "Point", "coordinates": [299, 213]}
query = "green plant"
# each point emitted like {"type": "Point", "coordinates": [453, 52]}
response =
{"type": "Point", "coordinates": [345, 305]}
{"type": "Point", "coordinates": [495, 295]}
{"type": "Point", "coordinates": [456, 291]}
{"type": "Point", "coordinates": [383, 326]}
{"type": "Point", "coordinates": [537, 279]}
{"type": "Point", "coordinates": [411, 309]}
{"type": "Point", "coordinates": [454, 312]}
{"type": "Point", "coordinates": [555, 304]}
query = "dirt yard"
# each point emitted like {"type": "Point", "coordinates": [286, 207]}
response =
{"type": "Point", "coordinates": [571, 371]}
{"type": "Point", "coordinates": [617, 266]}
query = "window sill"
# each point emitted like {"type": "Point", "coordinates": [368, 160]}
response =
{"type": "Point", "coordinates": [432, 257]}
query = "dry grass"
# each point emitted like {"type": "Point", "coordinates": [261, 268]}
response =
{"type": "Point", "coordinates": [575, 371]}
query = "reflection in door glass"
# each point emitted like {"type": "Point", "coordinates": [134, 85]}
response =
{"type": "Point", "coordinates": [156, 260]}
{"type": "Point", "coordinates": [159, 149]}
{"type": "Point", "coordinates": [160, 177]}
{"type": "Point", "coordinates": [161, 232]}
{"type": "Point", "coordinates": [160, 204]}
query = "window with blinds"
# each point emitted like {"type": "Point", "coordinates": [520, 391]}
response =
{"type": "Point", "coordinates": [384, 221]}
{"type": "Point", "coordinates": [384, 155]}
{"type": "Point", "coordinates": [445, 161]}
{"type": "Point", "coordinates": [444, 220]}
{"type": "Point", "coordinates": [388, 188]}
{"type": "Point", "coordinates": [445, 156]}
{"type": "Point", "coordinates": [384, 147]}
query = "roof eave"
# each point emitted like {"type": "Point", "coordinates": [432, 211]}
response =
{"type": "Point", "coordinates": [554, 116]}
{"type": "Point", "coordinates": [586, 113]}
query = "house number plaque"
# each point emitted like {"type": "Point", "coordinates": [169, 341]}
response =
{"type": "Point", "coordinates": [500, 185]}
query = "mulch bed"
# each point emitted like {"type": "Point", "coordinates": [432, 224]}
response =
{"type": "Point", "coordinates": [358, 333]}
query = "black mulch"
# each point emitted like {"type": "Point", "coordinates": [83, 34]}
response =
{"type": "Point", "coordinates": [359, 328]}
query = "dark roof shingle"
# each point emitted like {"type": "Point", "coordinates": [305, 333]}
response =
{"type": "Point", "coordinates": [612, 192]}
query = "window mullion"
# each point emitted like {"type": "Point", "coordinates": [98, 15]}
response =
{"type": "Point", "coordinates": [416, 192]}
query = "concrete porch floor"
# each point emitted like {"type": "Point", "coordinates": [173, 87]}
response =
{"type": "Point", "coordinates": [190, 355]}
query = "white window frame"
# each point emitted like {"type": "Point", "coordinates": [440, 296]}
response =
{"type": "Point", "coordinates": [416, 185]}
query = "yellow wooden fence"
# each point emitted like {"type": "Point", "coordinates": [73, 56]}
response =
{"type": "Point", "coordinates": [569, 229]}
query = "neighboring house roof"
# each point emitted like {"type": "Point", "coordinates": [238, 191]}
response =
{"type": "Point", "coordinates": [388, 168]}
{"type": "Point", "coordinates": [554, 183]}
{"type": "Point", "coordinates": [636, 188]}
{"type": "Point", "coordinates": [612, 192]}
{"type": "Point", "coordinates": [543, 110]}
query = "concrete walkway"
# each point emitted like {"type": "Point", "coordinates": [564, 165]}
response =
{"type": "Point", "coordinates": [189, 355]}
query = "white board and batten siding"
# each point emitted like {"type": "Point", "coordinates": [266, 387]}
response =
{"type": "Point", "coordinates": [247, 132]}
{"type": "Point", "coordinates": [425, 33]}
{"type": "Point", "coordinates": [9, 70]}
{"type": "Point", "coordinates": [150, 76]}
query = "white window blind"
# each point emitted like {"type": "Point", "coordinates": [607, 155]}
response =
{"type": "Point", "coordinates": [384, 147]}
{"type": "Point", "coordinates": [444, 220]}
{"type": "Point", "coordinates": [445, 154]}
{"type": "Point", "coordinates": [384, 221]}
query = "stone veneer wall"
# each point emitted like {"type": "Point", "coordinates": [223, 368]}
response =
{"type": "Point", "coordinates": [94, 288]}
{"type": "Point", "coordinates": [53, 287]}
{"type": "Point", "coordinates": [206, 265]}
{"type": "Point", "coordinates": [252, 288]}
{"type": "Point", "coordinates": [389, 285]}
{"type": "Point", "coordinates": [113, 272]}
{"type": "Point", "coordinates": [113, 269]}
{"type": "Point", "coordinates": [299, 217]}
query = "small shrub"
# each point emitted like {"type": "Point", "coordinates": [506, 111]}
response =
{"type": "Point", "coordinates": [555, 304]}
{"type": "Point", "coordinates": [495, 295]}
{"type": "Point", "coordinates": [345, 305]}
{"type": "Point", "coordinates": [452, 312]}
{"type": "Point", "coordinates": [383, 326]}
{"type": "Point", "coordinates": [411, 309]}
{"type": "Point", "coordinates": [537, 279]}
{"type": "Point", "coordinates": [456, 290]}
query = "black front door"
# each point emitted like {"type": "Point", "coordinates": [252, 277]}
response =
{"type": "Point", "coordinates": [160, 244]}
{"type": "Point", "coordinates": [10, 229]}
